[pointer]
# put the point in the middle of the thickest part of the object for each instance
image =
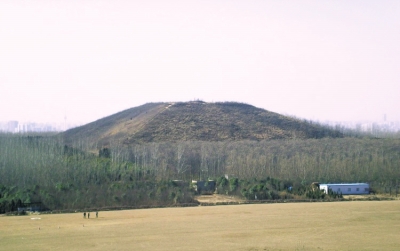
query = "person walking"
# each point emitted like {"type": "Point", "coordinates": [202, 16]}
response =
{"type": "Point", "coordinates": [97, 214]}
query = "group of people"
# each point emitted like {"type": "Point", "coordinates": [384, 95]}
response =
{"type": "Point", "coordinates": [88, 215]}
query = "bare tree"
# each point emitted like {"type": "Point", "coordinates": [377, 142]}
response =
{"type": "Point", "coordinates": [181, 166]}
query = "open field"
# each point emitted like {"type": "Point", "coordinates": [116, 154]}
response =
{"type": "Point", "coordinates": [358, 225]}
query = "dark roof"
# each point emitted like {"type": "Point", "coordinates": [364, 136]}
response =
{"type": "Point", "coordinates": [345, 184]}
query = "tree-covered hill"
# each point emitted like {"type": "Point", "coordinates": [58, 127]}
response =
{"type": "Point", "coordinates": [148, 156]}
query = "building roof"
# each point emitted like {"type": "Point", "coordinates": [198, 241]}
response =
{"type": "Point", "coordinates": [345, 184]}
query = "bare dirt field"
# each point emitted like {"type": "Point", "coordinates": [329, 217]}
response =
{"type": "Point", "coordinates": [215, 198]}
{"type": "Point", "coordinates": [356, 225]}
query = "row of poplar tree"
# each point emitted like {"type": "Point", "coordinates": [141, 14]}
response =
{"type": "Point", "coordinates": [43, 168]}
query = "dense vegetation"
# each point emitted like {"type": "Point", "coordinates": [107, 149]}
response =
{"type": "Point", "coordinates": [43, 168]}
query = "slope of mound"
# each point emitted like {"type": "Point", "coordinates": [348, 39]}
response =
{"type": "Point", "coordinates": [116, 126]}
{"type": "Point", "coordinates": [195, 121]}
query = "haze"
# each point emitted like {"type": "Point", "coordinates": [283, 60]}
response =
{"type": "Point", "coordinates": [320, 60]}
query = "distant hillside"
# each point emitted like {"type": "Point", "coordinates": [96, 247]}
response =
{"type": "Point", "coordinates": [194, 121]}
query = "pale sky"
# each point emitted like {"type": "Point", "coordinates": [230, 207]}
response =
{"type": "Point", "coordinates": [320, 60]}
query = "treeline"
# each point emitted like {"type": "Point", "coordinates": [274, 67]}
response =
{"type": "Point", "coordinates": [376, 131]}
{"type": "Point", "coordinates": [109, 195]}
{"type": "Point", "coordinates": [44, 168]}
{"type": "Point", "coordinates": [306, 161]}
{"type": "Point", "coordinates": [270, 189]}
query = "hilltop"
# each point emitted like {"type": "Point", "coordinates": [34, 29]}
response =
{"type": "Point", "coordinates": [195, 121]}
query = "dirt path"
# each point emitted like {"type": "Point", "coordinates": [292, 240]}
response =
{"type": "Point", "coordinates": [215, 198]}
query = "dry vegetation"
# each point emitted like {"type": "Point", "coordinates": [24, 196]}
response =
{"type": "Point", "coordinates": [298, 226]}
{"type": "Point", "coordinates": [194, 121]}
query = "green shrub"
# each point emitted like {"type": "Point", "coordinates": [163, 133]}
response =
{"type": "Point", "coordinates": [222, 182]}
{"type": "Point", "coordinates": [233, 184]}
{"type": "Point", "coordinates": [171, 195]}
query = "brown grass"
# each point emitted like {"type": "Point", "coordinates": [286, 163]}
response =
{"type": "Point", "coordinates": [217, 198]}
{"type": "Point", "coordinates": [194, 121]}
{"type": "Point", "coordinates": [359, 225]}
{"type": "Point", "coordinates": [131, 126]}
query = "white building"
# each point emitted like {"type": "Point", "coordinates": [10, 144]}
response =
{"type": "Point", "coordinates": [346, 188]}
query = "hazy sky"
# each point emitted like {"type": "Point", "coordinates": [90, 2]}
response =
{"type": "Point", "coordinates": [321, 60]}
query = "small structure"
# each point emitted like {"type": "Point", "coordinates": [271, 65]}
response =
{"type": "Point", "coordinates": [204, 187]}
{"type": "Point", "coordinates": [346, 188]}
{"type": "Point", "coordinates": [30, 207]}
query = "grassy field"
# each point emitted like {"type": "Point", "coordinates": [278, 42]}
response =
{"type": "Point", "coordinates": [367, 225]}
